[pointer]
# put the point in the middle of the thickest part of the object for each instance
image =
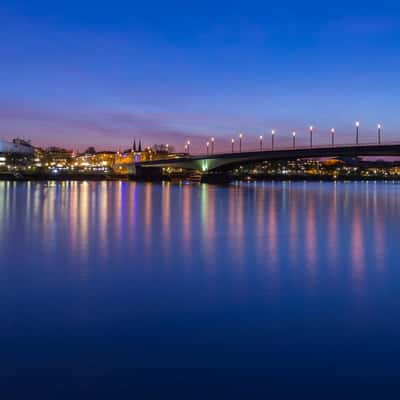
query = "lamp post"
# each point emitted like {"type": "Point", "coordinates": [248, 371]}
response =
{"type": "Point", "coordinates": [379, 134]}
{"type": "Point", "coordinates": [357, 132]}
{"type": "Point", "coordinates": [333, 137]}
{"type": "Point", "coordinates": [311, 135]}
{"type": "Point", "coordinates": [212, 145]}
{"type": "Point", "coordinates": [188, 146]}
{"type": "Point", "coordinates": [208, 147]}
{"type": "Point", "coordinates": [167, 147]}
{"type": "Point", "coordinates": [261, 142]}
{"type": "Point", "coordinates": [240, 142]}
{"type": "Point", "coordinates": [294, 139]}
{"type": "Point", "coordinates": [272, 139]}
{"type": "Point", "coordinates": [233, 144]}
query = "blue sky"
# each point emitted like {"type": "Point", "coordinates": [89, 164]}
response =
{"type": "Point", "coordinates": [81, 73]}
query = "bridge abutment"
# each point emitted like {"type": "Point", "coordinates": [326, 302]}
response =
{"type": "Point", "coordinates": [152, 174]}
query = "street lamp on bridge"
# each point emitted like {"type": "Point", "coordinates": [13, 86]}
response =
{"type": "Point", "coordinates": [261, 142]}
{"type": "Point", "coordinates": [357, 132]}
{"type": "Point", "coordinates": [311, 135]}
{"type": "Point", "coordinates": [379, 134]}
{"type": "Point", "coordinates": [208, 147]}
{"type": "Point", "coordinates": [212, 145]}
{"type": "Point", "coordinates": [188, 146]}
{"type": "Point", "coordinates": [333, 137]}
{"type": "Point", "coordinates": [240, 142]}
{"type": "Point", "coordinates": [233, 144]}
{"type": "Point", "coordinates": [294, 139]}
{"type": "Point", "coordinates": [272, 139]}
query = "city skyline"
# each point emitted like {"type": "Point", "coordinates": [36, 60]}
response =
{"type": "Point", "coordinates": [73, 75]}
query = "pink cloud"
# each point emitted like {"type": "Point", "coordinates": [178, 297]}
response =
{"type": "Point", "coordinates": [77, 128]}
{"type": "Point", "coordinates": [115, 129]}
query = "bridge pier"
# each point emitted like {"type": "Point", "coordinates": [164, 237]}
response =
{"type": "Point", "coordinates": [152, 174]}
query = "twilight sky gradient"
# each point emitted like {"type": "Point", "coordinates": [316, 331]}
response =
{"type": "Point", "coordinates": [77, 73]}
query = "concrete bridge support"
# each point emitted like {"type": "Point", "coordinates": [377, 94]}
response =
{"type": "Point", "coordinates": [153, 174]}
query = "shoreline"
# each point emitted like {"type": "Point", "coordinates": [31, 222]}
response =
{"type": "Point", "coordinates": [109, 178]}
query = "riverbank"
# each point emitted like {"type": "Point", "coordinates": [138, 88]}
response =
{"type": "Point", "coordinates": [61, 177]}
{"type": "Point", "coordinates": [217, 179]}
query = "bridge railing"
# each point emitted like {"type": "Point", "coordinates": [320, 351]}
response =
{"type": "Point", "coordinates": [288, 148]}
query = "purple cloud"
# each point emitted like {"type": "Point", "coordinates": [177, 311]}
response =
{"type": "Point", "coordinates": [77, 128]}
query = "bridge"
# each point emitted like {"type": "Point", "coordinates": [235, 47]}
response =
{"type": "Point", "coordinates": [219, 162]}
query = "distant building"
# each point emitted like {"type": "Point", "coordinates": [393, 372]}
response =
{"type": "Point", "coordinates": [17, 146]}
{"type": "Point", "coordinates": [16, 154]}
{"type": "Point", "coordinates": [103, 160]}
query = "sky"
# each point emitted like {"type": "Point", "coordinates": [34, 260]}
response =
{"type": "Point", "coordinates": [81, 73]}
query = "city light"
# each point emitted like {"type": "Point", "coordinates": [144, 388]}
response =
{"type": "Point", "coordinates": [120, 161]}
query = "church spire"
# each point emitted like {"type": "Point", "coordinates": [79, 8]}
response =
{"type": "Point", "coordinates": [134, 145]}
{"type": "Point", "coordinates": [140, 146]}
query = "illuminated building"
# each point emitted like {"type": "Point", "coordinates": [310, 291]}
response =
{"type": "Point", "coordinates": [100, 161]}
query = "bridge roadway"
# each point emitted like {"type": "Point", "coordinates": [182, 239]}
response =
{"type": "Point", "coordinates": [228, 161]}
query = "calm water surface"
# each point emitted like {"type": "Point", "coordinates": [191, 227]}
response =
{"type": "Point", "coordinates": [119, 288]}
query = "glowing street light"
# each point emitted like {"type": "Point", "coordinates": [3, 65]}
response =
{"type": "Point", "coordinates": [261, 142]}
{"type": "Point", "coordinates": [294, 139]}
{"type": "Point", "coordinates": [333, 137]}
{"type": "Point", "coordinates": [272, 139]}
{"type": "Point", "coordinates": [240, 142]}
{"type": "Point", "coordinates": [167, 146]}
{"type": "Point", "coordinates": [212, 145]}
{"type": "Point", "coordinates": [208, 147]}
{"type": "Point", "coordinates": [233, 144]}
{"type": "Point", "coordinates": [188, 146]}
{"type": "Point", "coordinates": [311, 135]}
{"type": "Point", "coordinates": [379, 133]}
{"type": "Point", "coordinates": [357, 132]}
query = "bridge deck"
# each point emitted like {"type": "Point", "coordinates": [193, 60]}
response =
{"type": "Point", "coordinates": [229, 160]}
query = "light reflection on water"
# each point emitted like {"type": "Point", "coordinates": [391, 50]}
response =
{"type": "Point", "coordinates": [276, 256]}
{"type": "Point", "coordinates": [305, 226]}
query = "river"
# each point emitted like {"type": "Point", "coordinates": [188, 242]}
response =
{"type": "Point", "coordinates": [109, 288]}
